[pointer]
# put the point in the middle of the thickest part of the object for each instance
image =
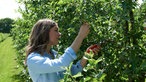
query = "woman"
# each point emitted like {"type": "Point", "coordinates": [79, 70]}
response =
{"type": "Point", "coordinates": [43, 66]}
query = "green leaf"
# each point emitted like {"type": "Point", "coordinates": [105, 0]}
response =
{"type": "Point", "coordinates": [78, 75]}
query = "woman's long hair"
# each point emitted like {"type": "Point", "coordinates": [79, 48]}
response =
{"type": "Point", "coordinates": [39, 36]}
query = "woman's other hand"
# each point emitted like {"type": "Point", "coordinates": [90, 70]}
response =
{"type": "Point", "coordinates": [93, 48]}
{"type": "Point", "coordinates": [84, 30]}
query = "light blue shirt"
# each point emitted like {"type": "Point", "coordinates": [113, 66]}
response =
{"type": "Point", "coordinates": [45, 69]}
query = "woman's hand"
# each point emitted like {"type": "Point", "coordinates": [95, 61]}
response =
{"type": "Point", "coordinates": [93, 48]}
{"type": "Point", "coordinates": [84, 30]}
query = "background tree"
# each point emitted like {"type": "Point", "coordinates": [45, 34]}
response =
{"type": "Point", "coordinates": [6, 25]}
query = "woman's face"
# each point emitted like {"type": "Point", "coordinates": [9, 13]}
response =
{"type": "Point", "coordinates": [54, 35]}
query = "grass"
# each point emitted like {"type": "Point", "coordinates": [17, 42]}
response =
{"type": "Point", "coordinates": [7, 61]}
{"type": "Point", "coordinates": [3, 36]}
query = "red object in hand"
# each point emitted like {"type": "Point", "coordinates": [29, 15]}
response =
{"type": "Point", "coordinates": [92, 47]}
{"type": "Point", "coordinates": [144, 28]}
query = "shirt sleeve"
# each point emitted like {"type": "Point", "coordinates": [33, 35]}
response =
{"type": "Point", "coordinates": [76, 68]}
{"type": "Point", "coordinates": [39, 64]}
{"type": "Point", "coordinates": [61, 74]}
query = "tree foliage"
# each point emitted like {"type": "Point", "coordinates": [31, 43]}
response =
{"type": "Point", "coordinates": [115, 24]}
{"type": "Point", "coordinates": [6, 25]}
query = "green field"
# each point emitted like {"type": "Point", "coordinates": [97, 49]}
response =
{"type": "Point", "coordinates": [3, 36]}
{"type": "Point", "coordinates": [7, 61]}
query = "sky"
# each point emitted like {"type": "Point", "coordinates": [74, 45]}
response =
{"type": "Point", "coordinates": [8, 9]}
